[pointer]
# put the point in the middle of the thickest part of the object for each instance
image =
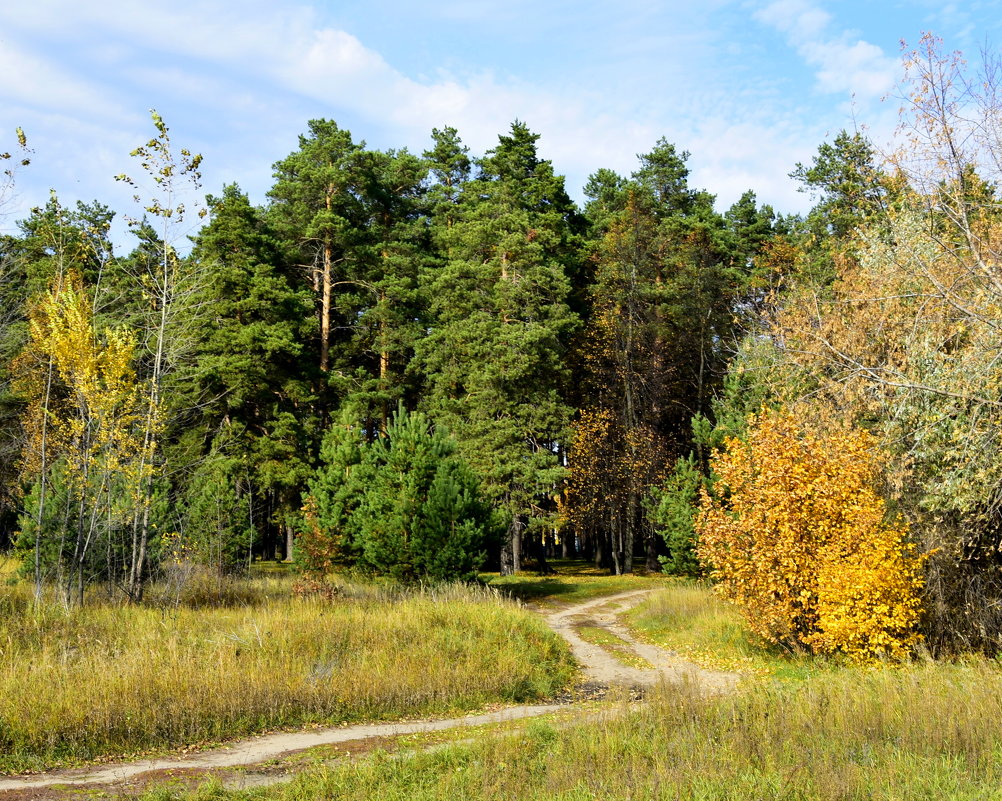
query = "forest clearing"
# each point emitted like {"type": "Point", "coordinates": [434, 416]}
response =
{"type": "Point", "coordinates": [423, 480]}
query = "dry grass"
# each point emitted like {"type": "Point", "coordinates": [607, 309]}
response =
{"type": "Point", "coordinates": [930, 731]}
{"type": "Point", "coordinates": [688, 618]}
{"type": "Point", "coordinates": [79, 684]}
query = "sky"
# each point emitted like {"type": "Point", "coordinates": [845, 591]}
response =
{"type": "Point", "coordinates": [747, 87]}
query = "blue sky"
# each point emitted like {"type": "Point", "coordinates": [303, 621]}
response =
{"type": "Point", "coordinates": [749, 87]}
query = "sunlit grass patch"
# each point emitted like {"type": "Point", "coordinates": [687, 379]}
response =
{"type": "Point", "coordinates": [614, 645]}
{"type": "Point", "coordinates": [575, 581]}
{"type": "Point", "coordinates": [688, 618]}
{"type": "Point", "coordinates": [79, 684]}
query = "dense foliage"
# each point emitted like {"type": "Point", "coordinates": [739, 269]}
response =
{"type": "Point", "coordinates": [590, 363]}
{"type": "Point", "coordinates": [795, 534]}
{"type": "Point", "coordinates": [403, 505]}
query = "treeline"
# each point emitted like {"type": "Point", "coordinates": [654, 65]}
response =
{"type": "Point", "coordinates": [157, 403]}
{"type": "Point", "coordinates": [556, 379]}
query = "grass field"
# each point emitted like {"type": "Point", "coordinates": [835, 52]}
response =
{"type": "Point", "coordinates": [928, 731]}
{"type": "Point", "coordinates": [105, 680]}
{"type": "Point", "coordinates": [798, 729]}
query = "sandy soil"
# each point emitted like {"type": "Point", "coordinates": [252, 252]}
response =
{"type": "Point", "coordinates": [600, 668]}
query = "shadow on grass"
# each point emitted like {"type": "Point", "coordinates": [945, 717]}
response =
{"type": "Point", "coordinates": [535, 589]}
{"type": "Point", "coordinates": [572, 580]}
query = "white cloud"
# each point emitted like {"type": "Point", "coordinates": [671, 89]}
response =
{"type": "Point", "coordinates": [239, 82]}
{"type": "Point", "coordinates": [843, 63]}
{"type": "Point", "coordinates": [28, 78]}
{"type": "Point", "coordinates": [797, 18]}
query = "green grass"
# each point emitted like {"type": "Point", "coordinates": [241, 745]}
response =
{"type": "Point", "coordinates": [688, 618]}
{"type": "Point", "coordinates": [927, 731]}
{"type": "Point", "coordinates": [614, 645]}
{"type": "Point", "coordinates": [107, 680]}
{"type": "Point", "coordinates": [575, 581]}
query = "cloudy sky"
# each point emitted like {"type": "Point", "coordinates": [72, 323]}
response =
{"type": "Point", "coordinates": [749, 87]}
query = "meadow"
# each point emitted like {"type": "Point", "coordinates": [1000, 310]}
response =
{"type": "Point", "coordinates": [924, 732]}
{"type": "Point", "coordinates": [797, 728]}
{"type": "Point", "coordinates": [110, 680]}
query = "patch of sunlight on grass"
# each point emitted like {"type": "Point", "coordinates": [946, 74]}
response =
{"type": "Point", "coordinates": [616, 646]}
{"type": "Point", "coordinates": [574, 581]}
{"type": "Point", "coordinates": [688, 618]}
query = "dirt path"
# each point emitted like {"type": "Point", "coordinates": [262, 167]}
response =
{"type": "Point", "coordinates": [602, 667]}
{"type": "Point", "coordinates": [598, 665]}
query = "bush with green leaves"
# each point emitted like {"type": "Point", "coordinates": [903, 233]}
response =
{"type": "Point", "coordinates": [218, 522]}
{"type": "Point", "coordinates": [402, 505]}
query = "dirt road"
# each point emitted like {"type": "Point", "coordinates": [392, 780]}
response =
{"type": "Point", "coordinates": [599, 666]}
{"type": "Point", "coordinates": [602, 667]}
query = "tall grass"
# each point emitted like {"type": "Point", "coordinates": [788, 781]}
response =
{"type": "Point", "coordinates": [78, 684]}
{"type": "Point", "coordinates": [929, 731]}
{"type": "Point", "coordinates": [688, 618]}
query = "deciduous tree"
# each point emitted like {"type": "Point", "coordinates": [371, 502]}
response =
{"type": "Point", "coordinates": [796, 536]}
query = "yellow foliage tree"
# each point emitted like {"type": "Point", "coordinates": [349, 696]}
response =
{"type": "Point", "coordinates": [797, 537]}
{"type": "Point", "coordinates": [91, 422]}
{"type": "Point", "coordinates": [611, 470]}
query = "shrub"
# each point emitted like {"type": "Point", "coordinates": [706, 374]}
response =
{"type": "Point", "coordinates": [795, 535]}
{"type": "Point", "coordinates": [671, 511]}
{"type": "Point", "coordinates": [403, 505]}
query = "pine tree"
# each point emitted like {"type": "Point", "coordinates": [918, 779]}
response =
{"type": "Point", "coordinates": [317, 207]}
{"type": "Point", "coordinates": [252, 384]}
{"type": "Point", "coordinates": [403, 505]}
{"type": "Point", "coordinates": [377, 291]}
{"type": "Point", "coordinates": [493, 360]}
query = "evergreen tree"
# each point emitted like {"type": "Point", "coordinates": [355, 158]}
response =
{"type": "Point", "coordinates": [254, 388]}
{"type": "Point", "coordinates": [218, 516]}
{"type": "Point", "coordinates": [403, 505]}
{"type": "Point", "coordinates": [317, 207]}
{"type": "Point", "coordinates": [493, 361]}
{"type": "Point", "coordinates": [850, 188]}
{"type": "Point", "coordinates": [450, 167]}
{"type": "Point", "coordinates": [378, 289]}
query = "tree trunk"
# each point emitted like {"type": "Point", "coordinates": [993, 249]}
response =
{"type": "Point", "coordinates": [628, 533]}
{"type": "Point", "coordinates": [516, 544]}
{"type": "Point", "coordinates": [653, 565]}
{"type": "Point", "coordinates": [542, 566]}
{"type": "Point", "coordinates": [39, 522]}
{"type": "Point", "coordinates": [616, 540]}
{"type": "Point", "coordinates": [325, 306]}
{"type": "Point", "coordinates": [511, 548]}
{"type": "Point", "coordinates": [289, 540]}
{"type": "Point", "coordinates": [507, 567]}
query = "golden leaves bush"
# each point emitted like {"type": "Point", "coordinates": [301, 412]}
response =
{"type": "Point", "coordinates": [797, 537]}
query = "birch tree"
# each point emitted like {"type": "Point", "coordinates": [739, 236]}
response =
{"type": "Point", "coordinates": [167, 284]}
